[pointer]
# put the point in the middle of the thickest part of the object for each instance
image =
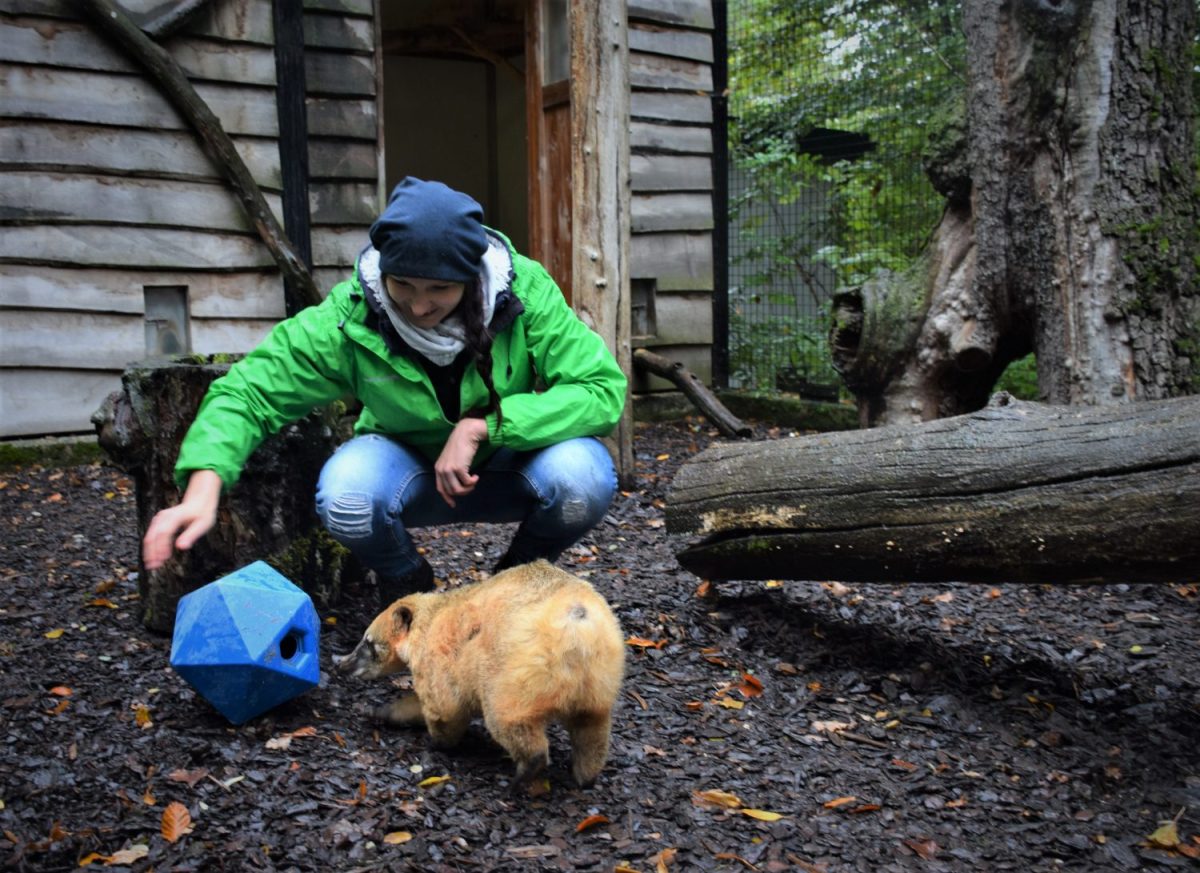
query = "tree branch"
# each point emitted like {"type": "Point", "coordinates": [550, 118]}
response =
{"type": "Point", "coordinates": [112, 20]}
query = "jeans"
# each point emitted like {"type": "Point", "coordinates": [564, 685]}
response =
{"type": "Point", "coordinates": [374, 489]}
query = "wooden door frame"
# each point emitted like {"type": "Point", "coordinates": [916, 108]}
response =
{"type": "Point", "coordinates": [599, 189]}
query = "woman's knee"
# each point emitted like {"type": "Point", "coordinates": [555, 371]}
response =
{"type": "Point", "coordinates": [356, 486]}
{"type": "Point", "coordinates": [581, 481]}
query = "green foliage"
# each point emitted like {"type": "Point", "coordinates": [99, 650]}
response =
{"type": "Point", "coordinates": [813, 214]}
{"type": "Point", "coordinates": [1020, 379]}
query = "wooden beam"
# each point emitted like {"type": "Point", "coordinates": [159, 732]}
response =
{"type": "Point", "coordinates": [112, 21]}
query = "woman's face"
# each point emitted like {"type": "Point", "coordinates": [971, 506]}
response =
{"type": "Point", "coordinates": [424, 302]}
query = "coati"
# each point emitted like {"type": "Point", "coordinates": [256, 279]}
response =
{"type": "Point", "coordinates": [531, 645]}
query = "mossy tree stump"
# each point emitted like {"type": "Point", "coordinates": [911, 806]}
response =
{"type": "Point", "coordinates": [269, 515]}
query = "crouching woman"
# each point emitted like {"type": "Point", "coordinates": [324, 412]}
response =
{"type": "Point", "coordinates": [482, 396]}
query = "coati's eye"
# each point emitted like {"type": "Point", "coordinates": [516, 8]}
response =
{"type": "Point", "coordinates": [379, 651]}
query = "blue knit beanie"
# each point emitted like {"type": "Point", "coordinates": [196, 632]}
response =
{"type": "Point", "coordinates": [430, 231]}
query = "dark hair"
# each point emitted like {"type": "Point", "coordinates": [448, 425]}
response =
{"type": "Point", "coordinates": [479, 341]}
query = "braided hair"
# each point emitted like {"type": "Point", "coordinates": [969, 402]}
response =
{"type": "Point", "coordinates": [479, 341]}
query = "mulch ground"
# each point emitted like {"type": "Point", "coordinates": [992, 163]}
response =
{"type": "Point", "coordinates": [763, 726]}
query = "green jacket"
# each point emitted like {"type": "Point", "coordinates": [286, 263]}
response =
{"type": "Point", "coordinates": [332, 350]}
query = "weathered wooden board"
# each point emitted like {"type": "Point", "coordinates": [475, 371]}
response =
{"type": "Point", "coordinates": [33, 338]}
{"type": "Point", "coordinates": [655, 71]}
{"type": "Point", "coordinates": [99, 98]}
{"type": "Point", "coordinates": [333, 74]}
{"type": "Point", "coordinates": [343, 202]}
{"type": "Point", "coordinates": [692, 13]}
{"type": "Point", "coordinates": [1016, 492]}
{"type": "Point", "coordinates": [92, 149]}
{"type": "Point", "coordinates": [684, 108]}
{"type": "Point", "coordinates": [682, 319]}
{"type": "Point", "coordinates": [678, 261]}
{"type": "Point", "coordinates": [690, 44]}
{"type": "Point", "coordinates": [76, 45]}
{"type": "Point", "coordinates": [243, 21]}
{"type": "Point", "coordinates": [349, 7]}
{"type": "Point", "coordinates": [330, 159]}
{"type": "Point", "coordinates": [337, 246]}
{"type": "Point", "coordinates": [670, 138]}
{"type": "Point", "coordinates": [670, 173]}
{"type": "Point", "coordinates": [75, 394]}
{"type": "Point", "coordinates": [152, 248]}
{"type": "Point", "coordinates": [337, 32]}
{"type": "Point", "coordinates": [671, 212]}
{"type": "Point", "coordinates": [344, 119]}
{"type": "Point", "coordinates": [210, 295]}
{"type": "Point", "coordinates": [53, 197]}
{"type": "Point", "coordinates": [221, 335]}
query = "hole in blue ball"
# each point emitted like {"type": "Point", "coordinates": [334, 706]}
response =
{"type": "Point", "coordinates": [289, 646]}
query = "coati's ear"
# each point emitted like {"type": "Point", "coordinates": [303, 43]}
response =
{"type": "Point", "coordinates": [401, 620]}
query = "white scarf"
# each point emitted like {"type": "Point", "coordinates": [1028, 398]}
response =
{"type": "Point", "coordinates": [442, 342]}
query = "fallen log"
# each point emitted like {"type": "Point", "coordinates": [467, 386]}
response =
{"type": "Point", "coordinates": [725, 421]}
{"type": "Point", "coordinates": [1016, 492]}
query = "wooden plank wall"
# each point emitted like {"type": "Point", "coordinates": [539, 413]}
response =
{"type": "Point", "coordinates": [671, 176]}
{"type": "Point", "coordinates": [104, 190]}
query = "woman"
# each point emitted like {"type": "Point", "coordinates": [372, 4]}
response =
{"type": "Point", "coordinates": [442, 333]}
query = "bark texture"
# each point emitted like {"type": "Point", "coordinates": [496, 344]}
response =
{"type": "Point", "coordinates": [268, 515]}
{"type": "Point", "coordinates": [1015, 492]}
{"type": "Point", "coordinates": [1070, 225]}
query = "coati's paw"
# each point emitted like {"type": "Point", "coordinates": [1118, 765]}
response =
{"type": "Point", "coordinates": [404, 712]}
{"type": "Point", "coordinates": [527, 771]}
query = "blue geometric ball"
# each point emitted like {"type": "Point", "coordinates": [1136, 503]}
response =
{"type": "Point", "coordinates": [247, 642]}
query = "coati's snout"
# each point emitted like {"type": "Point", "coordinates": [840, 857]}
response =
{"type": "Point", "coordinates": [376, 653]}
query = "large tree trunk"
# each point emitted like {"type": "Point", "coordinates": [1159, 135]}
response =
{"type": "Point", "coordinates": [1070, 227]}
{"type": "Point", "coordinates": [268, 515]}
{"type": "Point", "coordinates": [1016, 492]}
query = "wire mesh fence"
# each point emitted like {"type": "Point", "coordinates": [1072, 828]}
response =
{"type": "Point", "coordinates": [830, 107]}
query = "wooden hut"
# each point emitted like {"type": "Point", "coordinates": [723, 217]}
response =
{"type": "Point", "coordinates": [585, 129]}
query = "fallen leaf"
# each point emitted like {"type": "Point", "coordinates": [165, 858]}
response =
{"type": "Point", "coordinates": [762, 814]}
{"type": "Point", "coordinates": [751, 686]}
{"type": "Point", "coordinates": [90, 858]}
{"type": "Point", "coordinates": [397, 838]}
{"type": "Point", "coordinates": [839, 801]}
{"type": "Point", "coordinates": [432, 780]}
{"type": "Point", "coordinates": [624, 868]}
{"type": "Point", "coordinates": [141, 716]}
{"type": "Point", "coordinates": [730, 856]}
{"type": "Point", "coordinates": [176, 821]}
{"type": "Point", "coordinates": [644, 643]}
{"type": "Point", "coordinates": [1166, 836]}
{"type": "Point", "coordinates": [102, 601]}
{"type": "Point", "coordinates": [663, 858]}
{"type": "Point", "coordinates": [831, 727]}
{"type": "Point", "coordinates": [61, 691]}
{"type": "Point", "coordinates": [590, 822]}
{"type": "Point", "coordinates": [55, 634]}
{"type": "Point", "coordinates": [188, 777]}
{"type": "Point", "coordinates": [59, 708]}
{"type": "Point", "coordinates": [729, 703]}
{"type": "Point", "coordinates": [716, 797]}
{"type": "Point", "coordinates": [925, 849]}
{"type": "Point", "coordinates": [128, 856]}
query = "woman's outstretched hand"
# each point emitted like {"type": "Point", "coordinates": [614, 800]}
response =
{"type": "Point", "coordinates": [180, 526]}
{"type": "Point", "coordinates": [453, 466]}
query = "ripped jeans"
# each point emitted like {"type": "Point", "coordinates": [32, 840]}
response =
{"type": "Point", "coordinates": [374, 489]}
